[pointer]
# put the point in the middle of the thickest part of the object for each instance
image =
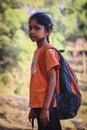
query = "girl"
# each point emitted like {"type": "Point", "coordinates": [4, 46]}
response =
{"type": "Point", "coordinates": [42, 90]}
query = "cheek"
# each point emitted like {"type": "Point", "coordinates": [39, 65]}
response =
{"type": "Point", "coordinates": [42, 33]}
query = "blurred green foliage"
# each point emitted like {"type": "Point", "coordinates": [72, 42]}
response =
{"type": "Point", "coordinates": [76, 13]}
{"type": "Point", "coordinates": [70, 21]}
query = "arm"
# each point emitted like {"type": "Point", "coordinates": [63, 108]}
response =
{"type": "Point", "coordinates": [50, 88]}
{"type": "Point", "coordinates": [48, 97]}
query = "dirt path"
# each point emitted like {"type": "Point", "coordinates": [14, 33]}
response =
{"type": "Point", "coordinates": [14, 115]}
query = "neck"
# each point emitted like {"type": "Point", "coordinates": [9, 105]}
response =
{"type": "Point", "coordinates": [41, 43]}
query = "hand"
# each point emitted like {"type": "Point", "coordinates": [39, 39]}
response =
{"type": "Point", "coordinates": [44, 116]}
{"type": "Point", "coordinates": [32, 115]}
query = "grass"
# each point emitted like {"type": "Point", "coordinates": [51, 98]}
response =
{"type": "Point", "coordinates": [12, 117]}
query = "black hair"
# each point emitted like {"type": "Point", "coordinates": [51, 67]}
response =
{"type": "Point", "coordinates": [43, 19]}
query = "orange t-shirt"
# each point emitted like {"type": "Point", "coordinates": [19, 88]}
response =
{"type": "Point", "coordinates": [38, 84]}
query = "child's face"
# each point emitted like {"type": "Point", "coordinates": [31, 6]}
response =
{"type": "Point", "coordinates": [37, 32]}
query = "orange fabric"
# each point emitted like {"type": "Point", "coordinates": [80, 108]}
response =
{"type": "Point", "coordinates": [38, 84]}
{"type": "Point", "coordinates": [75, 89]}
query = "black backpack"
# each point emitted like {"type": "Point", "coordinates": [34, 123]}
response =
{"type": "Point", "coordinates": [68, 103]}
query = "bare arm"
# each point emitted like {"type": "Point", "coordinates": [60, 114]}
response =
{"type": "Point", "coordinates": [48, 97]}
{"type": "Point", "coordinates": [50, 88]}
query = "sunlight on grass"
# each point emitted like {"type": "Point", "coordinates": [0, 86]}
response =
{"type": "Point", "coordinates": [68, 124]}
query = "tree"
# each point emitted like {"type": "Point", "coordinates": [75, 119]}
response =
{"type": "Point", "coordinates": [76, 13]}
{"type": "Point", "coordinates": [14, 45]}
{"type": "Point", "coordinates": [12, 20]}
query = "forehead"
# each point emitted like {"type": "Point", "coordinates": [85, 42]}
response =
{"type": "Point", "coordinates": [33, 22]}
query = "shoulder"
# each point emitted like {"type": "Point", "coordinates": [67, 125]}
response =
{"type": "Point", "coordinates": [52, 53]}
{"type": "Point", "coordinates": [51, 50]}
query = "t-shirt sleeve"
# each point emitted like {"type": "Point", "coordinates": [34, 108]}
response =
{"type": "Point", "coordinates": [52, 59]}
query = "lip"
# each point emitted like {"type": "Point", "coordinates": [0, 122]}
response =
{"type": "Point", "coordinates": [32, 36]}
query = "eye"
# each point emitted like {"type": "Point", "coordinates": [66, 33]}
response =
{"type": "Point", "coordinates": [37, 28]}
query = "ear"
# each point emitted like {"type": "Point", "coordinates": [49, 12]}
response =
{"type": "Point", "coordinates": [48, 31]}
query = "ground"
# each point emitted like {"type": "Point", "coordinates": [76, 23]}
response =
{"type": "Point", "coordinates": [14, 115]}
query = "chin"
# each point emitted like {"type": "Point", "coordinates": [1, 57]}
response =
{"type": "Point", "coordinates": [33, 39]}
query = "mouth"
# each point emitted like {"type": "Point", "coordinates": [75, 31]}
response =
{"type": "Point", "coordinates": [32, 36]}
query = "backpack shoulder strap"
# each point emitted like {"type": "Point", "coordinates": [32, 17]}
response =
{"type": "Point", "coordinates": [42, 58]}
